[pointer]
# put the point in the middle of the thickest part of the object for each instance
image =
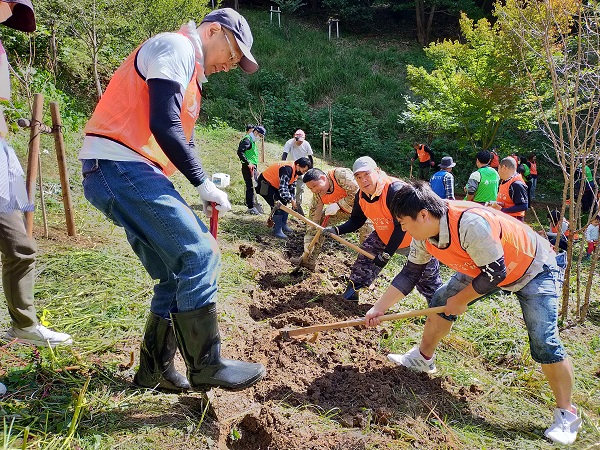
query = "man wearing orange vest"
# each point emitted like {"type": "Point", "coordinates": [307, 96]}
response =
{"type": "Point", "coordinates": [533, 176]}
{"type": "Point", "coordinates": [373, 201]}
{"type": "Point", "coordinates": [489, 250]}
{"type": "Point", "coordinates": [512, 194]}
{"type": "Point", "coordinates": [426, 159]}
{"type": "Point", "coordinates": [333, 196]}
{"type": "Point", "coordinates": [140, 132]}
{"type": "Point", "coordinates": [278, 183]}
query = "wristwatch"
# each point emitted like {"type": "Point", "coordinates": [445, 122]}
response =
{"type": "Point", "coordinates": [385, 256]}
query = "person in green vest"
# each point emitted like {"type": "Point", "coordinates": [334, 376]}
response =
{"type": "Point", "coordinates": [248, 155]}
{"type": "Point", "coordinates": [483, 184]}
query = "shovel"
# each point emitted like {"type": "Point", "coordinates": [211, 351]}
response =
{"type": "Point", "coordinates": [320, 228]}
{"type": "Point", "coordinates": [288, 333]}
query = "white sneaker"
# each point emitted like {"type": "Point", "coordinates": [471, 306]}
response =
{"type": "Point", "coordinates": [414, 360]}
{"type": "Point", "coordinates": [38, 335]}
{"type": "Point", "coordinates": [253, 211]}
{"type": "Point", "coordinates": [565, 427]}
{"type": "Point", "coordinates": [2, 389]}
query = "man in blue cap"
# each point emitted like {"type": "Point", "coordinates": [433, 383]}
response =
{"type": "Point", "coordinates": [141, 132]}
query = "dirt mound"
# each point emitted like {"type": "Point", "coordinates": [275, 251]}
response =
{"type": "Point", "coordinates": [321, 394]}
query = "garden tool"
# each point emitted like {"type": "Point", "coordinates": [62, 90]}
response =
{"type": "Point", "coordinates": [288, 333]}
{"type": "Point", "coordinates": [319, 227]}
{"type": "Point", "coordinates": [306, 255]}
{"type": "Point", "coordinates": [270, 222]}
{"type": "Point", "coordinates": [214, 220]}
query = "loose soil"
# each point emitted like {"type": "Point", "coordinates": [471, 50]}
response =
{"type": "Point", "coordinates": [338, 391]}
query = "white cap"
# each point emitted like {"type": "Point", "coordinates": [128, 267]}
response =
{"type": "Point", "coordinates": [364, 164]}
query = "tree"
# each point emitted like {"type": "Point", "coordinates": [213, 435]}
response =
{"type": "Point", "coordinates": [472, 88]}
{"type": "Point", "coordinates": [425, 11]}
{"type": "Point", "coordinates": [558, 51]}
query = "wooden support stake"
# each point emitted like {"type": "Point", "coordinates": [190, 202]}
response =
{"type": "Point", "coordinates": [42, 201]}
{"type": "Point", "coordinates": [65, 187]}
{"type": "Point", "coordinates": [262, 149]}
{"type": "Point", "coordinates": [34, 152]}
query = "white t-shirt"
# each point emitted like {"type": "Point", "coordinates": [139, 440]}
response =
{"type": "Point", "coordinates": [168, 56]}
{"type": "Point", "coordinates": [294, 151]}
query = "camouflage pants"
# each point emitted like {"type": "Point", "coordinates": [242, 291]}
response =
{"type": "Point", "coordinates": [364, 272]}
{"type": "Point", "coordinates": [338, 218]}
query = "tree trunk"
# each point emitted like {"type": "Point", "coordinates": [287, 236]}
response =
{"type": "Point", "coordinates": [421, 32]}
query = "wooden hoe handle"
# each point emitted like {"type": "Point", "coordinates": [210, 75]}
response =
{"type": "Point", "coordinates": [320, 228]}
{"type": "Point", "coordinates": [357, 322]}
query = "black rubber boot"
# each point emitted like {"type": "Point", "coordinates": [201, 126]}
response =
{"type": "Point", "coordinates": [278, 221]}
{"type": "Point", "coordinates": [351, 292]}
{"type": "Point", "coordinates": [157, 351]}
{"type": "Point", "coordinates": [284, 225]}
{"type": "Point", "coordinates": [200, 344]}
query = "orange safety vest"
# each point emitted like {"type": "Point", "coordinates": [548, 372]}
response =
{"type": "Point", "coordinates": [554, 229]}
{"type": "Point", "coordinates": [533, 168]}
{"type": "Point", "coordinates": [422, 154]}
{"type": "Point", "coordinates": [504, 195]}
{"type": "Point", "coordinates": [271, 173]}
{"type": "Point", "coordinates": [519, 248]}
{"type": "Point", "coordinates": [495, 162]}
{"type": "Point", "coordinates": [380, 214]}
{"type": "Point", "coordinates": [123, 111]}
{"type": "Point", "coordinates": [337, 194]}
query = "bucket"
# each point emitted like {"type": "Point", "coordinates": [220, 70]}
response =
{"type": "Point", "coordinates": [220, 179]}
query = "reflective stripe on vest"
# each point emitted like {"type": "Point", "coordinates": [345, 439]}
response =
{"type": "Point", "coordinates": [337, 194]}
{"type": "Point", "coordinates": [504, 195]}
{"type": "Point", "coordinates": [123, 111]}
{"type": "Point", "coordinates": [271, 173]}
{"type": "Point", "coordinates": [380, 214]}
{"type": "Point", "coordinates": [519, 247]}
{"type": "Point", "coordinates": [423, 155]}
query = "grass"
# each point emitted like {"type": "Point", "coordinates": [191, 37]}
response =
{"type": "Point", "coordinates": [94, 288]}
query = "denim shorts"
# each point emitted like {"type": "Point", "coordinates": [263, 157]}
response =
{"type": "Point", "coordinates": [539, 304]}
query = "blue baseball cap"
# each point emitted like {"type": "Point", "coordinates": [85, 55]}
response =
{"type": "Point", "coordinates": [235, 22]}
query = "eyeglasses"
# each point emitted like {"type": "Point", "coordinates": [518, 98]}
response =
{"type": "Point", "coordinates": [233, 55]}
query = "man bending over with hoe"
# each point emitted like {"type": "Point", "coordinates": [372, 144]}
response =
{"type": "Point", "coordinates": [489, 250]}
{"type": "Point", "coordinates": [373, 203]}
{"type": "Point", "coordinates": [333, 197]}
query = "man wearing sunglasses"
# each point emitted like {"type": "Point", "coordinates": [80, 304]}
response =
{"type": "Point", "coordinates": [139, 134]}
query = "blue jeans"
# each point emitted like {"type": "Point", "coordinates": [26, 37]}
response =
{"type": "Point", "coordinates": [172, 243]}
{"type": "Point", "coordinates": [539, 304]}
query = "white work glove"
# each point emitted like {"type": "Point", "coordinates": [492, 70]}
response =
{"type": "Point", "coordinates": [210, 193]}
{"type": "Point", "coordinates": [332, 209]}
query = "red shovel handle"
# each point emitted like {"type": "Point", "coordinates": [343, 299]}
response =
{"type": "Point", "coordinates": [214, 220]}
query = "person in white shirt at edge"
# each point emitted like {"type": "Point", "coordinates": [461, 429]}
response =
{"type": "Point", "coordinates": [296, 148]}
{"type": "Point", "coordinates": [140, 132]}
{"type": "Point", "coordinates": [18, 250]}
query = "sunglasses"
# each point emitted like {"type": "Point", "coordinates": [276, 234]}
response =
{"type": "Point", "coordinates": [233, 55]}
